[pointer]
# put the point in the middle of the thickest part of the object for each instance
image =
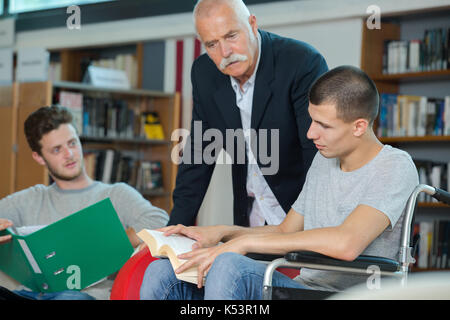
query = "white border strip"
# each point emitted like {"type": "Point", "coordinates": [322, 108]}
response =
{"type": "Point", "coordinates": [180, 25]}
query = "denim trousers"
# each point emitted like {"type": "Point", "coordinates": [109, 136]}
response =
{"type": "Point", "coordinates": [231, 277]}
{"type": "Point", "coordinates": [61, 295]}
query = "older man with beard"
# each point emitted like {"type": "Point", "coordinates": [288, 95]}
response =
{"type": "Point", "coordinates": [249, 81]}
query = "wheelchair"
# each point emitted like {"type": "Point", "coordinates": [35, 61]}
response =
{"type": "Point", "coordinates": [128, 281]}
{"type": "Point", "coordinates": [386, 267]}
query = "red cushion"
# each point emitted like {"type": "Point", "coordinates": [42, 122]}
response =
{"type": "Point", "coordinates": [291, 273]}
{"type": "Point", "coordinates": [129, 279]}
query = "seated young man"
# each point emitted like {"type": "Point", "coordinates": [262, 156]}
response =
{"type": "Point", "coordinates": [352, 203]}
{"type": "Point", "coordinates": [56, 145]}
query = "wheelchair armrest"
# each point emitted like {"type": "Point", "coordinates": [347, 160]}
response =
{"type": "Point", "coordinates": [442, 195]}
{"type": "Point", "coordinates": [361, 262]}
{"type": "Point", "coordinates": [263, 256]}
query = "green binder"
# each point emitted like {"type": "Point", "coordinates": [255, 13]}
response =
{"type": "Point", "coordinates": [71, 253]}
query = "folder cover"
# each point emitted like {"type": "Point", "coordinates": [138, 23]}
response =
{"type": "Point", "coordinates": [71, 253]}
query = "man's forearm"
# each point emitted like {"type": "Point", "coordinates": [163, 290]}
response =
{"type": "Point", "coordinates": [132, 236]}
{"type": "Point", "coordinates": [330, 241]}
{"type": "Point", "coordinates": [232, 232]}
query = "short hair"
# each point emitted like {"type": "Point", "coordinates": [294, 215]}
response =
{"type": "Point", "coordinates": [42, 121]}
{"type": "Point", "coordinates": [351, 90]}
{"type": "Point", "coordinates": [203, 7]}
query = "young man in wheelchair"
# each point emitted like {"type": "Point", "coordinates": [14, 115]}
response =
{"type": "Point", "coordinates": [352, 203]}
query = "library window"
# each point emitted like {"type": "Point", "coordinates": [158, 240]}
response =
{"type": "Point", "coordinates": [19, 6]}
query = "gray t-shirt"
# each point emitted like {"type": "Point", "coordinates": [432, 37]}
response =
{"type": "Point", "coordinates": [329, 195]}
{"type": "Point", "coordinates": [43, 205]}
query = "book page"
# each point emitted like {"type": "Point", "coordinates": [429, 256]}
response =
{"type": "Point", "coordinates": [172, 246]}
{"type": "Point", "coordinates": [179, 244]}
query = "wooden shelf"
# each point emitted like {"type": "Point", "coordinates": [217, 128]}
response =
{"type": "Point", "coordinates": [415, 269]}
{"type": "Point", "coordinates": [155, 193]}
{"type": "Point", "coordinates": [413, 76]}
{"type": "Point", "coordinates": [136, 141]}
{"type": "Point", "coordinates": [129, 92]}
{"type": "Point", "coordinates": [433, 205]}
{"type": "Point", "coordinates": [415, 139]}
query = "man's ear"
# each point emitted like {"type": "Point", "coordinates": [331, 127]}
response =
{"type": "Point", "coordinates": [360, 127]}
{"type": "Point", "coordinates": [253, 24]}
{"type": "Point", "coordinates": [38, 158]}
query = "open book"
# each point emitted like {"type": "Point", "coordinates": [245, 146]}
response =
{"type": "Point", "coordinates": [170, 247]}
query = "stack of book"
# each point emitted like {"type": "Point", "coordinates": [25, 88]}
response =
{"type": "Point", "coordinates": [110, 166]}
{"type": "Point", "coordinates": [102, 117]}
{"type": "Point", "coordinates": [436, 174]}
{"type": "Point", "coordinates": [418, 55]}
{"type": "Point", "coordinates": [149, 176]}
{"type": "Point", "coordinates": [409, 116]}
{"type": "Point", "coordinates": [125, 62]}
{"type": "Point", "coordinates": [433, 245]}
{"type": "Point", "coordinates": [109, 118]}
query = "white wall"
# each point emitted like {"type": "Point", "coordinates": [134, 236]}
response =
{"type": "Point", "coordinates": [217, 207]}
{"type": "Point", "coordinates": [339, 41]}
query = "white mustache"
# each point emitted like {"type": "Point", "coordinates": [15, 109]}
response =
{"type": "Point", "coordinates": [233, 58]}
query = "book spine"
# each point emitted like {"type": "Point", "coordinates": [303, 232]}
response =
{"type": "Point", "coordinates": [433, 251]}
{"type": "Point", "coordinates": [38, 280]}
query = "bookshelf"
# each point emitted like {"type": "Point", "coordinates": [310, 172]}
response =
{"type": "Point", "coordinates": [136, 146]}
{"type": "Point", "coordinates": [430, 83]}
{"type": "Point", "coordinates": [21, 171]}
{"type": "Point", "coordinates": [413, 76]}
{"type": "Point", "coordinates": [70, 64]}
{"type": "Point", "coordinates": [66, 72]}
{"type": "Point", "coordinates": [8, 122]}
{"type": "Point", "coordinates": [415, 139]}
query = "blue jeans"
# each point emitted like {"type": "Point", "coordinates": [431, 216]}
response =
{"type": "Point", "coordinates": [61, 295]}
{"type": "Point", "coordinates": [231, 277]}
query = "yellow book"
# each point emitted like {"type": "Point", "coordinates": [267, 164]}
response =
{"type": "Point", "coordinates": [152, 126]}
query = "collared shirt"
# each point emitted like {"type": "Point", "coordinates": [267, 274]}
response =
{"type": "Point", "coordinates": [265, 207]}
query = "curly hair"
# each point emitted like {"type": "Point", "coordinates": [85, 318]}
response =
{"type": "Point", "coordinates": [42, 121]}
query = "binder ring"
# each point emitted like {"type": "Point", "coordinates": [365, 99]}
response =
{"type": "Point", "coordinates": [58, 271]}
{"type": "Point", "coordinates": [51, 254]}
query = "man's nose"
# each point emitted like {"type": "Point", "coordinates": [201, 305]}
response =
{"type": "Point", "coordinates": [225, 49]}
{"type": "Point", "coordinates": [68, 153]}
{"type": "Point", "coordinates": [312, 133]}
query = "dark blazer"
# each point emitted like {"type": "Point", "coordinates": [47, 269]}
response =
{"type": "Point", "coordinates": [286, 70]}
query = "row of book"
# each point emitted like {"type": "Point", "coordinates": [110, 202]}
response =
{"type": "Point", "coordinates": [111, 166]}
{"type": "Point", "coordinates": [433, 246]}
{"type": "Point", "coordinates": [99, 117]}
{"type": "Point", "coordinates": [436, 174]}
{"type": "Point", "coordinates": [417, 55]}
{"type": "Point", "coordinates": [125, 62]}
{"type": "Point", "coordinates": [409, 116]}
{"type": "Point", "coordinates": [54, 71]}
